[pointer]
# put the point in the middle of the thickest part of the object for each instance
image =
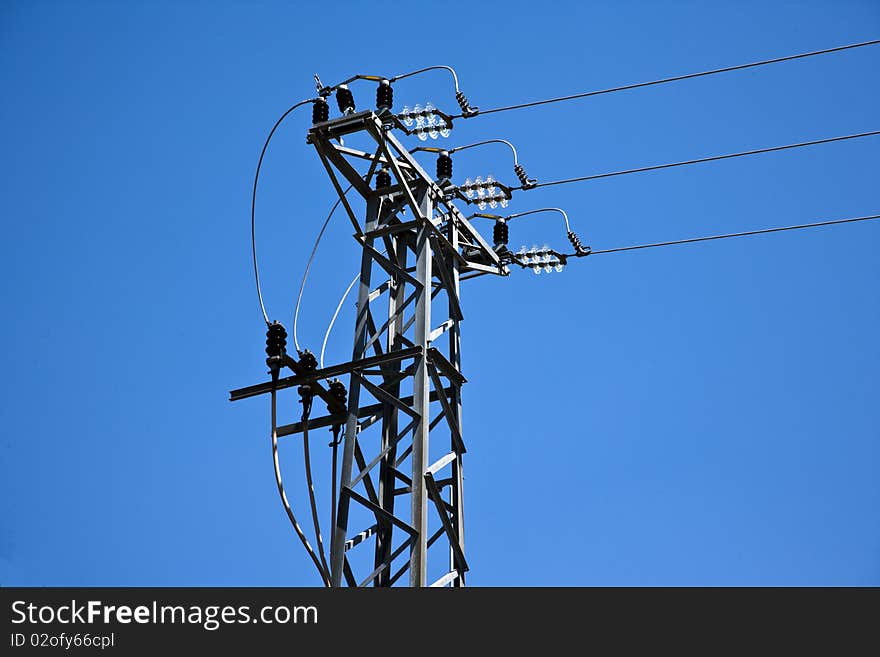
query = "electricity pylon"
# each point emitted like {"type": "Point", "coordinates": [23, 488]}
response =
{"type": "Point", "coordinates": [401, 477]}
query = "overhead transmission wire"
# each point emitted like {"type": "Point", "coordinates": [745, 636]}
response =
{"type": "Point", "coordinates": [676, 78]}
{"type": "Point", "coordinates": [254, 202]}
{"type": "Point", "coordinates": [320, 562]}
{"type": "Point", "coordinates": [761, 231]}
{"type": "Point", "coordinates": [713, 158]}
{"type": "Point", "coordinates": [545, 102]}
{"type": "Point", "coordinates": [307, 459]}
{"type": "Point", "coordinates": [325, 576]}
{"type": "Point", "coordinates": [309, 262]}
{"type": "Point", "coordinates": [319, 559]}
{"type": "Point", "coordinates": [596, 177]}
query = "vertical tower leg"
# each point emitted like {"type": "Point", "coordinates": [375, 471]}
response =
{"type": "Point", "coordinates": [337, 546]}
{"type": "Point", "coordinates": [421, 399]}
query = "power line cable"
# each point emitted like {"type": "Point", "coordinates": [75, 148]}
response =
{"type": "Point", "coordinates": [713, 158]}
{"type": "Point", "coordinates": [676, 78]}
{"type": "Point", "coordinates": [307, 460]}
{"type": "Point", "coordinates": [325, 576]}
{"type": "Point", "coordinates": [762, 231]}
{"type": "Point", "coordinates": [311, 259]}
{"type": "Point", "coordinates": [254, 202]}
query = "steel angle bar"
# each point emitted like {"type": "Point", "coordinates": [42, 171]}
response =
{"type": "Point", "coordinates": [340, 192]}
{"type": "Point", "coordinates": [397, 205]}
{"type": "Point", "coordinates": [368, 481]}
{"type": "Point", "coordinates": [486, 269]}
{"type": "Point", "coordinates": [437, 534]}
{"type": "Point", "coordinates": [400, 459]}
{"type": "Point", "coordinates": [451, 419]}
{"type": "Point", "coordinates": [374, 461]}
{"type": "Point", "coordinates": [443, 271]}
{"type": "Point", "coordinates": [475, 275]}
{"type": "Point", "coordinates": [443, 244]}
{"type": "Point", "coordinates": [397, 313]}
{"type": "Point", "coordinates": [377, 292]}
{"type": "Point", "coordinates": [481, 243]}
{"type": "Point", "coordinates": [373, 412]}
{"type": "Point", "coordinates": [346, 169]}
{"type": "Point", "coordinates": [381, 514]}
{"type": "Point", "coordinates": [408, 193]}
{"type": "Point", "coordinates": [406, 430]}
{"type": "Point", "coordinates": [391, 141]}
{"type": "Point", "coordinates": [399, 475]}
{"type": "Point", "coordinates": [441, 463]}
{"type": "Point", "coordinates": [439, 504]}
{"type": "Point", "coordinates": [363, 155]}
{"type": "Point", "coordinates": [373, 334]}
{"type": "Point", "coordinates": [339, 127]}
{"type": "Point", "coordinates": [372, 409]}
{"type": "Point", "coordinates": [405, 567]}
{"type": "Point", "coordinates": [446, 579]}
{"type": "Point", "coordinates": [386, 563]}
{"type": "Point", "coordinates": [384, 396]}
{"type": "Point", "coordinates": [317, 423]}
{"type": "Point", "coordinates": [346, 570]}
{"type": "Point", "coordinates": [440, 416]}
{"type": "Point", "coordinates": [440, 330]}
{"type": "Point", "coordinates": [337, 552]}
{"type": "Point", "coordinates": [370, 421]}
{"type": "Point", "coordinates": [377, 156]}
{"type": "Point", "coordinates": [445, 367]}
{"type": "Point", "coordinates": [390, 376]}
{"type": "Point", "coordinates": [389, 266]}
{"type": "Point", "coordinates": [400, 573]}
{"type": "Point", "coordinates": [357, 539]}
{"type": "Point", "coordinates": [405, 158]}
{"type": "Point", "coordinates": [326, 373]}
{"type": "Point", "coordinates": [392, 229]}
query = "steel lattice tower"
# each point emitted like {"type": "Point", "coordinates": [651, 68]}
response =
{"type": "Point", "coordinates": [401, 475]}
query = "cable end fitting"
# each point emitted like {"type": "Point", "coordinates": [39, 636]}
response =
{"type": "Point", "coordinates": [384, 96]}
{"type": "Point", "coordinates": [307, 361]}
{"type": "Point", "coordinates": [276, 346]}
{"type": "Point", "coordinates": [525, 181]}
{"type": "Point", "coordinates": [345, 100]}
{"type": "Point", "coordinates": [466, 110]}
{"type": "Point", "coordinates": [444, 167]}
{"type": "Point", "coordinates": [579, 248]}
{"type": "Point", "coordinates": [337, 389]}
{"type": "Point", "coordinates": [322, 90]}
{"type": "Point", "coordinates": [320, 111]}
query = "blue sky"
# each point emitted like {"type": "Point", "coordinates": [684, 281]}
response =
{"type": "Point", "coordinates": [697, 415]}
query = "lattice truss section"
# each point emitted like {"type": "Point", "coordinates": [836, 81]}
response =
{"type": "Point", "coordinates": [402, 471]}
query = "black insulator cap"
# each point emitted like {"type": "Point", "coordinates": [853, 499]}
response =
{"type": "Point", "coordinates": [501, 233]}
{"type": "Point", "coordinates": [527, 183]}
{"type": "Point", "coordinates": [307, 361]}
{"type": "Point", "coordinates": [384, 95]}
{"type": "Point", "coordinates": [337, 389]}
{"type": "Point", "coordinates": [576, 243]}
{"type": "Point", "coordinates": [444, 166]}
{"type": "Point", "coordinates": [345, 99]}
{"type": "Point", "coordinates": [465, 106]}
{"type": "Point", "coordinates": [383, 179]}
{"type": "Point", "coordinates": [276, 340]}
{"type": "Point", "coordinates": [320, 111]}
